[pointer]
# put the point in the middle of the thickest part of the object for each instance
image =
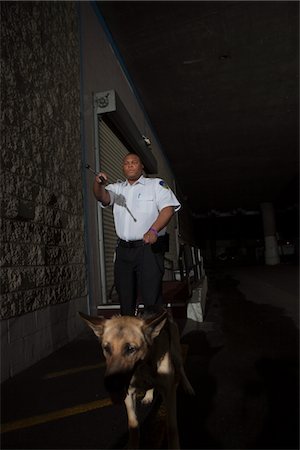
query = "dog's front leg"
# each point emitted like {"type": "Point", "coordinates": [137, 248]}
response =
{"type": "Point", "coordinates": [133, 424]}
{"type": "Point", "coordinates": [148, 397]}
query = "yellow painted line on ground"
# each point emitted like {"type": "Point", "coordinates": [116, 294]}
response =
{"type": "Point", "coordinates": [66, 372]}
{"type": "Point", "coordinates": [55, 415]}
{"type": "Point", "coordinates": [62, 373]}
{"type": "Point", "coordinates": [67, 412]}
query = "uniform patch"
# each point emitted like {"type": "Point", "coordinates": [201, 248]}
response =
{"type": "Point", "coordinates": [164, 184]}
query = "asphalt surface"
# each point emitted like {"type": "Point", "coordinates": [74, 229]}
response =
{"type": "Point", "coordinates": [243, 362]}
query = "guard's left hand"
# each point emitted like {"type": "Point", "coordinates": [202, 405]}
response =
{"type": "Point", "coordinates": [150, 237]}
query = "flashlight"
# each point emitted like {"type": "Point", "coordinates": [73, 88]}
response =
{"type": "Point", "coordinates": [87, 166]}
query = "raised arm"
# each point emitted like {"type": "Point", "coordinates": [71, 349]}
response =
{"type": "Point", "coordinates": [101, 194]}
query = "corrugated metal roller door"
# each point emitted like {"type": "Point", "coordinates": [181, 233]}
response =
{"type": "Point", "coordinates": [112, 152]}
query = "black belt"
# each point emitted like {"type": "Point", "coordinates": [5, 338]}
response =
{"type": "Point", "coordinates": [131, 244]}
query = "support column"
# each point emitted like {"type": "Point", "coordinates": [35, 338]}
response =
{"type": "Point", "coordinates": [271, 246]}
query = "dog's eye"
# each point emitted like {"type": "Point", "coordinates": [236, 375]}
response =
{"type": "Point", "coordinates": [129, 349]}
{"type": "Point", "coordinates": [106, 348]}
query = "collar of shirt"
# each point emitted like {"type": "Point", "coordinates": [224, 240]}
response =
{"type": "Point", "coordinates": [141, 180]}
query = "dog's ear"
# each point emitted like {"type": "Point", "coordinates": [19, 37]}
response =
{"type": "Point", "coordinates": [154, 325]}
{"type": "Point", "coordinates": [95, 323]}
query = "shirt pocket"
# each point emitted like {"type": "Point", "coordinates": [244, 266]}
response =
{"type": "Point", "coordinates": [145, 203]}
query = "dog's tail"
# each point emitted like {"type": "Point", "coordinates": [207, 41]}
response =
{"type": "Point", "coordinates": [188, 388]}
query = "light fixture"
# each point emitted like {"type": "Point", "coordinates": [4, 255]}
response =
{"type": "Point", "coordinates": [146, 140]}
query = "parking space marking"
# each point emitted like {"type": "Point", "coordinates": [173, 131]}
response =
{"type": "Point", "coordinates": [55, 415]}
{"type": "Point", "coordinates": [71, 411]}
{"type": "Point", "coordinates": [66, 372]}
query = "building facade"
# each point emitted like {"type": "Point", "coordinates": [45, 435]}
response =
{"type": "Point", "coordinates": [55, 58]}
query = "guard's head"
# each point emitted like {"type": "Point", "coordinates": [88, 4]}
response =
{"type": "Point", "coordinates": [132, 167]}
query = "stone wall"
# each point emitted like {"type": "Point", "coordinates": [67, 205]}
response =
{"type": "Point", "coordinates": [42, 218]}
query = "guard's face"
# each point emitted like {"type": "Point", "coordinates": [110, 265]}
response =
{"type": "Point", "coordinates": [132, 167]}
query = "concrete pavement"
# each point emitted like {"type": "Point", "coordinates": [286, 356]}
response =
{"type": "Point", "coordinates": [242, 361]}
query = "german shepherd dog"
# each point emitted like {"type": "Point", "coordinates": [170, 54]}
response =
{"type": "Point", "coordinates": [142, 353]}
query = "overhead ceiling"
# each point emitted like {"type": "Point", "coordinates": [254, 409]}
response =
{"type": "Point", "coordinates": [219, 82]}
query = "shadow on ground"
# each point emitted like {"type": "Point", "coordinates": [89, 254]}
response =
{"type": "Point", "coordinates": [245, 371]}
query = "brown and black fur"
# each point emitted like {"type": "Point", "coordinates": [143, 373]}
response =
{"type": "Point", "coordinates": [142, 354]}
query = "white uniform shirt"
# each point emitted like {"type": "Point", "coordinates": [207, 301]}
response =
{"type": "Point", "coordinates": [142, 200]}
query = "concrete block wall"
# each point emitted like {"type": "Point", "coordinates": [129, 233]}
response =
{"type": "Point", "coordinates": [43, 266]}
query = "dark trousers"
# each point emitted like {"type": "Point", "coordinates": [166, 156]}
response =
{"type": "Point", "coordinates": [138, 273]}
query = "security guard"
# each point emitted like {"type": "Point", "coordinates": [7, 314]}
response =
{"type": "Point", "coordinates": [142, 209]}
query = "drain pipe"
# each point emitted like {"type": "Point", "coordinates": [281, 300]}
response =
{"type": "Point", "coordinates": [99, 212]}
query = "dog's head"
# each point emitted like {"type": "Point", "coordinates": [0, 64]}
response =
{"type": "Point", "coordinates": [125, 341]}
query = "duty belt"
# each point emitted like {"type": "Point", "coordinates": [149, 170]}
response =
{"type": "Point", "coordinates": [131, 244]}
